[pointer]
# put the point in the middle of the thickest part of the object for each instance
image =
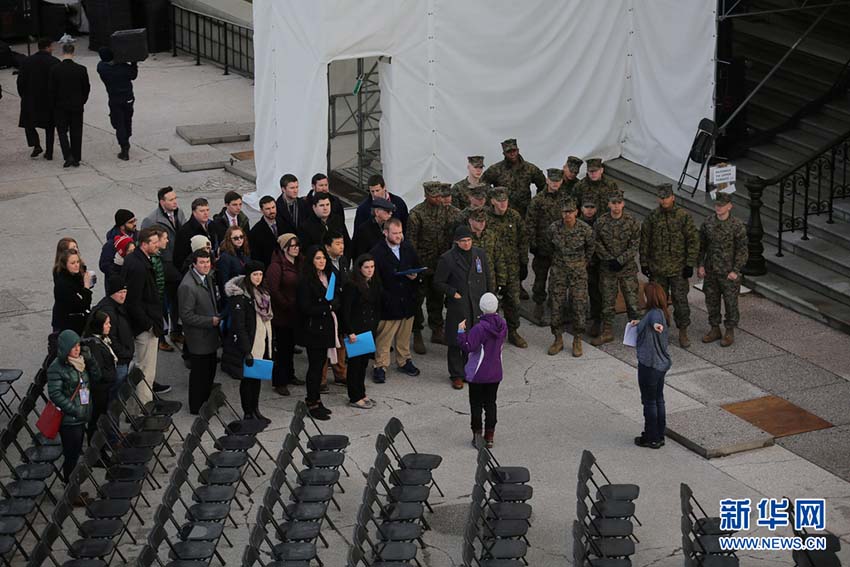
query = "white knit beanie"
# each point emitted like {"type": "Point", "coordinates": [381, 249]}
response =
{"type": "Point", "coordinates": [198, 242]}
{"type": "Point", "coordinates": [488, 303]}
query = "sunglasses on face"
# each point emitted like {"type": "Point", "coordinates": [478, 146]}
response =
{"type": "Point", "coordinates": [237, 237]}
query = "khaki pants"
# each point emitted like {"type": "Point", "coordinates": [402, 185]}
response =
{"type": "Point", "coordinates": [398, 330]}
{"type": "Point", "coordinates": [340, 369]}
{"type": "Point", "coordinates": [147, 346]}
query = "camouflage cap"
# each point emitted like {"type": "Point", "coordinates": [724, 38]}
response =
{"type": "Point", "coordinates": [432, 188]}
{"type": "Point", "coordinates": [568, 205]}
{"type": "Point", "coordinates": [722, 198]}
{"type": "Point", "coordinates": [574, 164]}
{"type": "Point", "coordinates": [616, 196]}
{"type": "Point", "coordinates": [499, 193]}
{"type": "Point", "coordinates": [475, 161]}
{"type": "Point", "coordinates": [445, 189]}
{"type": "Point", "coordinates": [478, 214]}
{"type": "Point", "coordinates": [555, 174]}
{"type": "Point", "coordinates": [664, 190]}
{"type": "Point", "coordinates": [479, 191]}
{"type": "Point", "coordinates": [589, 201]}
{"type": "Point", "coordinates": [509, 144]}
{"type": "Point", "coordinates": [594, 163]}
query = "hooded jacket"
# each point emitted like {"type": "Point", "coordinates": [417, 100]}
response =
{"type": "Point", "coordinates": [63, 380]}
{"type": "Point", "coordinates": [484, 343]}
{"type": "Point", "coordinates": [243, 326]}
{"type": "Point", "coordinates": [282, 282]}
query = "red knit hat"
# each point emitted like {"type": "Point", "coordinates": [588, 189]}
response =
{"type": "Point", "coordinates": [121, 242]}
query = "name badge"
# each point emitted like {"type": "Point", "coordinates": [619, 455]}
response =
{"type": "Point", "coordinates": [478, 265]}
{"type": "Point", "coordinates": [84, 396]}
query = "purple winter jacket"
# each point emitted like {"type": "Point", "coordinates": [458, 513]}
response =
{"type": "Point", "coordinates": [484, 343]}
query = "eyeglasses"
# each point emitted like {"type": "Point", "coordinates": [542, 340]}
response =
{"type": "Point", "coordinates": [237, 237]}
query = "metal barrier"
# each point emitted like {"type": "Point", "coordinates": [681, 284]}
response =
{"type": "Point", "coordinates": [213, 39]}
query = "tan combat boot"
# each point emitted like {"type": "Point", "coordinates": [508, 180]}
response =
{"type": "Point", "coordinates": [438, 337]}
{"type": "Point", "coordinates": [712, 335]}
{"type": "Point", "coordinates": [557, 345]}
{"type": "Point", "coordinates": [607, 336]}
{"type": "Point", "coordinates": [684, 341]}
{"type": "Point", "coordinates": [515, 339]}
{"type": "Point", "coordinates": [418, 343]}
{"type": "Point", "coordinates": [577, 346]}
{"type": "Point", "coordinates": [729, 338]}
{"type": "Point", "coordinates": [538, 314]}
{"type": "Point", "coordinates": [594, 328]}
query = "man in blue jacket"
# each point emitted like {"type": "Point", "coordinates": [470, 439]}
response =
{"type": "Point", "coordinates": [118, 79]}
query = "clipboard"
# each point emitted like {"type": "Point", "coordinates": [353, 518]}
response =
{"type": "Point", "coordinates": [365, 344]}
{"type": "Point", "coordinates": [411, 271]}
{"type": "Point", "coordinates": [329, 294]}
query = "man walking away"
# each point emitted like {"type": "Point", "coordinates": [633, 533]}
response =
{"type": "Point", "coordinates": [68, 88]}
{"type": "Point", "coordinates": [118, 79]}
{"type": "Point", "coordinates": [36, 107]}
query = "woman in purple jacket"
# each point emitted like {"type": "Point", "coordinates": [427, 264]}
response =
{"type": "Point", "coordinates": [483, 343]}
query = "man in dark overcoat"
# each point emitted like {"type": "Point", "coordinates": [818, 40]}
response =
{"type": "Point", "coordinates": [36, 107]}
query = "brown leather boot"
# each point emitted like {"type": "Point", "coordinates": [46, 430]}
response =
{"type": "Point", "coordinates": [418, 343]}
{"type": "Point", "coordinates": [538, 313]}
{"type": "Point", "coordinates": [438, 337]}
{"type": "Point", "coordinates": [488, 438]}
{"type": "Point", "coordinates": [594, 328]}
{"type": "Point", "coordinates": [684, 341]}
{"type": "Point", "coordinates": [515, 339]}
{"type": "Point", "coordinates": [729, 338]}
{"type": "Point", "coordinates": [557, 346]}
{"type": "Point", "coordinates": [712, 335]}
{"type": "Point", "coordinates": [577, 346]}
{"type": "Point", "coordinates": [607, 336]}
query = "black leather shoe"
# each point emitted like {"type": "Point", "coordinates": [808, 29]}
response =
{"type": "Point", "coordinates": [261, 417]}
{"type": "Point", "coordinates": [75, 163]}
{"type": "Point", "coordinates": [296, 381]}
{"type": "Point", "coordinates": [641, 442]}
{"type": "Point", "coordinates": [68, 163]}
{"type": "Point", "coordinates": [36, 151]}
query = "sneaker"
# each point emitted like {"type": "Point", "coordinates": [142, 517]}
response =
{"type": "Point", "coordinates": [410, 369]}
{"type": "Point", "coordinates": [161, 388]}
{"type": "Point", "coordinates": [640, 441]}
{"type": "Point", "coordinates": [379, 375]}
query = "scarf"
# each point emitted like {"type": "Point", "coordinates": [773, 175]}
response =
{"type": "Point", "coordinates": [78, 363]}
{"type": "Point", "coordinates": [332, 350]}
{"type": "Point", "coordinates": [263, 305]}
{"type": "Point", "coordinates": [108, 342]}
{"type": "Point", "coordinates": [118, 260]}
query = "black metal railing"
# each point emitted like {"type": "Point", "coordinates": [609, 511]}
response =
{"type": "Point", "coordinates": [213, 39]}
{"type": "Point", "coordinates": [807, 188]}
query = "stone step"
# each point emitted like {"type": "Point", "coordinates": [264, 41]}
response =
{"type": "Point", "coordinates": [246, 169]}
{"type": "Point", "coordinates": [797, 94]}
{"type": "Point", "coordinates": [201, 160]}
{"type": "Point", "coordinates": [225, 132]}
{"type": "Point", "coordinates": [779, 39]}
{"type": "Point", "coordinates": [775, 156]}
{"type": "Point", "coordinates": [834, 28]}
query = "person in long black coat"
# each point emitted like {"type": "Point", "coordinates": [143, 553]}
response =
{"type": "Point", "coordinates": [361, 313]}
{"type": "Point", "coordinates": [463, 276]}
{"type": "Point", "coordinates": [71, 293]}
{"type": "Point", "coordinates": [68, 87]}
{"type": "Point", "coordinates": [36, 107]}
{"type": "Point", "coordinates": [265, 232]}
{"type": "Point", "coordinates": [318, 324]}
{"type": "Point", "coordinates": [321, 221]}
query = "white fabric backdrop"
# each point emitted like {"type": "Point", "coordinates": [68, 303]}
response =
{"type": "Point", "coordinates": [586, 77]}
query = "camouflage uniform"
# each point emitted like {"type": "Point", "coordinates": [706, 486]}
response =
{"type": "Point", "coordinates": [669, 244]}
{"type": "Point", "coordinates": [511, 237]}
{"type": "Point", "coordinates": [723, 249]}
{"type": "Point", "coordinates": [544, 209]}
{"type": "Point", "coordinates": [593, 290]}
{"type": "Point", "coordinates": [487, 241]}
{"type": "Point", "coordinates": [572, 249]}
{"type": "Point", "coordinates": [460, 190]}
{"type": "Point", "coordinates": [617, 240]}
{"type": "Point", "coordinates": [568, 186]}
{"type": "Point", "coordinates": [599, 190]}
{"type": "Point", "coordinates": [429, 230]}
{"type": "Point", "coordinates": [517, 177]}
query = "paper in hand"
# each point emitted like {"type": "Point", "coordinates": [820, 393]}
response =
{"type": "Point", "coordinates": [630, 335]}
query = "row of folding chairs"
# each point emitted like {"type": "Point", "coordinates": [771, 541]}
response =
{"type": "Point", "coordinates": [9, 398]}
{"type": "Point", "coordinates": [701, 534]}
{"type": "Point", "coordinates": [603, 532]}
{"type": "Point", "coordinates": [496, 531]}
{"type": "Point", "coordinates": [821, 558]}
{"type": "Point", "coordinates": [296, 522]}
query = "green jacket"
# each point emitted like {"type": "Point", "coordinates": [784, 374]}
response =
{"type": "Point", "coordinates": [669, 241]}
{"type": "Point", "coordinates": [63, 379]}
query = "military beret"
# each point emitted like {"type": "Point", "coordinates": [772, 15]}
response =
{"type": "Point", "coordinates": [568, 205]}
{"type": "Point", "coordinates": [722, 198]}
{"type": "Point", "coordinates": [499, 193]}
{"type": "Point", "coordinates": [555, 174]}
{"type": "Point", "coordinates": [445, 189]}
{"type": "Point", "coordinates": [594, 163]}
{"type": "Point", "coordinates": [616, 196]}
{"type": "Point", "coordinates": [479, 191]}
{"type": "Point", "coordinates": [588, 202]}
{"type": "Point", "coordinates": [432, 188]}
{"type": "Point", "coordinates": [478, 214]}
{"type": "Point", "coordinates": [476, 161]}
{"type": "Point", "coordinates": [664, 190]}
{"type": "Point", "coordinates": [381, 203]}
{"type": "Point", "coordinates": [509, 144]}
{"type": "Point", "coordinates": [574, 164]}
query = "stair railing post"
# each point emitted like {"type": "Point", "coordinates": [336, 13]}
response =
{"type": "Point", "coordinates": [756, 265]}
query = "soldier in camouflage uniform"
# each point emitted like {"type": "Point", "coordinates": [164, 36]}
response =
{"type": "Point", "coordinates": [429, 230]}
{"type": "Point", "coordinates": [485, 238]}
{"type": "Point", "coordinates": [544, 209]}
{"type": "Point", "coordinates": [517, 175]}
{"type": "Point", "coordinates": [596, 185]}
{"type": "Point", "coordinates": [616, 237]}
{"type": "Point", "coordinates": [572, 248]}
{"type": "Point", "coordinates": [669, 244]}
{"type": "Point", "coordinates": [460, 190]}
{"type": "Point", "coordinates": [589, 216]}
{"type": "Point", "coordinates": [477, 197]}
{"type": "Point", "coordinates": [571, 169]}
{"type": "Point", "coordinates": [511, 236]}
{"type": "Point", "coordinates": [722, 254]}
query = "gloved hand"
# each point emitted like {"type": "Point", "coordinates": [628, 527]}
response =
{"type": "Point", "coordinates": [688, 272]}
{"type": "Point", "coordinates": [249, 360]}
{"type": "Point", "coordinates": [645, 271]}
{"type": "Point", "coordinates": [614, 265]}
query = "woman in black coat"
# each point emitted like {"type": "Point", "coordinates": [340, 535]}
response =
{"type": "Point", "coordinates": [318, 330]}
{"type": "Point", "coordinates": [250, 335]}
{"type": "Point", "coordinates": [97, 339]}
{"type": "Point", "coordinates": [361, 312]}
{"type": "Point", "coordinates": [234, 255]}
{"type": "Point", "coordinates": [71, 293]}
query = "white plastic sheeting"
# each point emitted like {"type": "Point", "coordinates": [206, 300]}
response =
{"type": "Point", "coordinates": [585, 77]}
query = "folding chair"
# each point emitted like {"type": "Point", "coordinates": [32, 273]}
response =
{"type": "Point", "coordinates": [609, 491]}
{"type": "Point", "coordinates": [701, 525]}
{"type": "Point", "coordinates": [239, 427]}
{"type": "Point", "coordinates": [252, 554]}
{"type": "Point", "coordinates": [181, 550]}
{"type": "Point", "coordinates": [400, 492]}
{"type": "Point", "coordinates": [314, 476]}
{"type": "Point", "coordinates": [297, 513]}
{"type": "Point", "coordinates": [388, 530]}
{"type": "Point", "coordinates": [499, 473]}
{"type": "Point", "coordinates": [384, 552]}
{"type": "Point", "coordinates": [608, 508]}
{"type": "Point", "coordinates": [235, 443]}
{"type": "Point", "coordinates": [581, 552]}
{"type": "Point", "coordinates": [493, 547]}
{"type": "Point", "coordinates": [498, 508]}
{"type": "Point", "coordinates": [822, 558]}
{"type": "Point", "coordinates": [395, 511]}
{"type": "Point", "coordinates": [414, 460]}
{"type": "Point", "coordinates": [503, 492]}
{"type": "Point", "coordinates": [318, 458]}
{"type": "Point", "coordinates": [190, 530]}
{"type": "Point", "coordinates": [320, 441]}
{"type": "Point", "coordinates": [8, 376]}
{"type": "Point", "coordinates": [599, 526]}
{"type": "Point", "coordinates": [90, 531]}
{"type": "Point", "coordinates": [288, 550]}
{"type": "Point", "coordinates": [496, 526]}
{"type": "Point", "coordinates": [408, 477]}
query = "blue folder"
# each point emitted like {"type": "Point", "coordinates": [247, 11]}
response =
{"type": "Point", "coordinates": [365, 344]}
{"type": "Point", "coordinates": [261, 370]}
{"type": "Point", "coordinates": [329, 295]}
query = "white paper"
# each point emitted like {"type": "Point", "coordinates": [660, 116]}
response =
{"type": "Point", "coordinates": [630, 335]}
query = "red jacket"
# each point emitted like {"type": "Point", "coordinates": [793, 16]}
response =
{"type": "Point", "coordinates": [282, 282]}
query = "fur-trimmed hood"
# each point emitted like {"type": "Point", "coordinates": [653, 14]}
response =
{"type": "Point", "coordinates": [233, 287]}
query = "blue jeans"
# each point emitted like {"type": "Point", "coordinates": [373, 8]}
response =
{"type": "Point", "coordinates": [121, 371]}
{"type": "Point", "coordinates": [651, 383]}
